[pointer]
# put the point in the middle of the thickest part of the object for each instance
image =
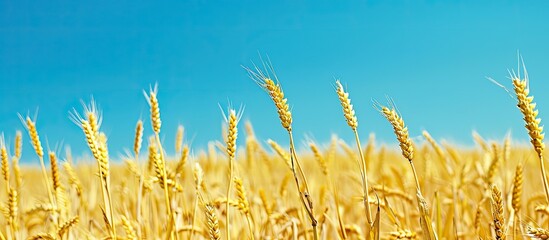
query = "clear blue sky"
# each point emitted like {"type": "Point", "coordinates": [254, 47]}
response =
{"type": "Point", "coordinates": [430, 56]}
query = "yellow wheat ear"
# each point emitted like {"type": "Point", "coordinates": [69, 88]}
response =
{"type": "Point", "coordinates": [400, 129]}
{"type": "Point", "coordinates": [154, 107]}
{"type": "Point", "coordinates": [532, 123]}
{"type": "Point", "coordinates": [273, 88]}
{"type": "Point", "coordinates": [497, 213]}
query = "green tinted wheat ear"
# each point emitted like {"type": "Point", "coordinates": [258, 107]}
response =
{"type": "Point", "coordinates": [526, 105]}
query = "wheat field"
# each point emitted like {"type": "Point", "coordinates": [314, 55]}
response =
{"type": "Point", "coordinates": [262, 189]}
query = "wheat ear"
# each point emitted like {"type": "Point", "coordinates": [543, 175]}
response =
{"type": "Point", "coordinates": [497, 213]}
{"type": "Point", "coordinates": [97, 142]}
{"type": "Point", "coordinates": [526, 105]}
{"type": "Point", "coordinates": [407, 149]}
{"type": "Point", "coordinates": [277, 95]}
{"type": "Point", "coordinates": [516, 200]}
{"type": "Point", "coordinates": [137, 142]}
{"type": "Point", "coordinates": [243, 204]}
{"type": "Point", "coordinates": [5, 163]}
{"type": "Point", "coordinates": [350, 117]}
{"type": "Point", "coordinates": [198, 175]}
{"type": "Point", "coordinates": [537, 233]}
{"type": "Point", "coordinates": [212, 222]}
{"type": "Point", "coordinates": [156, 124]}
{"type": "Point", "coordinates": [179, 138]}
{"type": "Point", "coordinates": [13, 211]}
{"type": "Point", "coordinates": [232, 134]}
{"type": "Point", "coordinates": [30, 125]}
{"type": "Point", "coordinates": [18, 147]}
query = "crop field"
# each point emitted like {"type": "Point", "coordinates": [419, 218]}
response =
{"type": "Point", "coordinates": [262, 189]}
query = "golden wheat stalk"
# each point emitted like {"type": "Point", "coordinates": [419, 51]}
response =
{"type": "Point", "coordinates": [97, 142]}
{"type": "Point", "coordinates": [407, 149]}
{"type": "Point", "coordinates": [350, 117]}
{"type": "Point", "coordinates": [156, 124]}
{"type": "Point", "coordinates": [30, 125]}
{"type": "Point", "coordinates": [231, 136]}
{"type": "Point", "coordinates": [198, 176]}
{"type": "Point", "coordinates": [277, 95]}
{"type": "Point", "coordinates": [526, 105]}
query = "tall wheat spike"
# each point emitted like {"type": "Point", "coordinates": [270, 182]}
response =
{"type": "Point", "coordinates": [350, 117]}
{"type": "Point", "coordinates": [232, 134]}
{"type": "Point", "coordinates": [4, 159]}
{"type": "Point", "coordinates": [407, 149]}
{"type": "Point", "coordinates": [526, 105]}
{"type": "Point", "coordinates": [277, 96]}
{"type": "Point", "coordinates": [156, 123]}
{"type": "Point", "coordinates": [30, 125]}
{"type": "Point", "coordinates": [97, 142]}
{"type": "Point", "coordinates": [18, 147]}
